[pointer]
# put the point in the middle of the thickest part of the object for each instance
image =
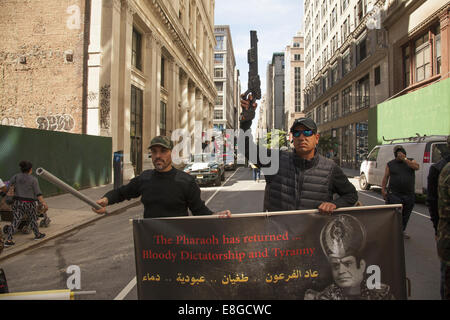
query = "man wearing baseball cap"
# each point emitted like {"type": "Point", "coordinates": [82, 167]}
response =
{"type": "Point", "coordinates": [165, 191]}
{"type": "Point", "coordinates": [305, 179]}
{"type": "Point", "coordinates": [400, 173]}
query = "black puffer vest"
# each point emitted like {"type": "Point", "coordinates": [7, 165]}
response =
{"type": "Point", "coordinates": [300, 184]}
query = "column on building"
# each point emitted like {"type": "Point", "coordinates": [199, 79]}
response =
{"type": "Point", "coordinates": [148, 107]}
{"type": "Point", "coordinates": [184, 113]}
{"type": "Point", "coordinates": [198, 129]}
{"type": "Point", "coordinates": [125, 84]}
{"type": "Point", "coordinates": [109, 77]}
{"type": "Point", "coordinates": [176, 96]}
{"type": "Point", "coordinates": [191, 127]}
{"type": "Point", "coordinates": [95, 70]}
{"type": "Point", "coordinates": [445, 43]}
{"type": "Point", "coordinates": [206, 114]}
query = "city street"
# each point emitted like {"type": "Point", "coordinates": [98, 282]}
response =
{"type": "Point", "coordinates": [104, 250]}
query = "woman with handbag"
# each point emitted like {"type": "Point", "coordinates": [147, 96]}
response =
{"type": "Point", "coordinates": [26, 194]}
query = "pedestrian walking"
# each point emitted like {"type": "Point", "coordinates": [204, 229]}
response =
{"type": "Point", "coordinates": [165, 191]}
{"type": "Point", "coordinates": [26, 195]}
{"type": "Point", "coordinates": [443, 230]}
{"type": "Point", "coordinates": [398, 185]}
{"type": "Point", "coordinates": [256, 172]}
{"type": "Point", "coordinates": [305, 179]}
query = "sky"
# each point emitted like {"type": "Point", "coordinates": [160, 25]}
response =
{"type": "Point", "coordinates": [276, 23]}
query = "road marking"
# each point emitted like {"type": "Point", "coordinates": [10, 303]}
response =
{"type": "Point", "coordinates": [133, 282]}
{"type": "Point", "coordinates": [126, 290]}
{"type": "Point", "coordinates": [420, 214]}
{"type": "Point", "coordinates": [220, 188]}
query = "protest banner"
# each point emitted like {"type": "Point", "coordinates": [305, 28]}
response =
{"type": "Point", "coordinates": [356, 253]}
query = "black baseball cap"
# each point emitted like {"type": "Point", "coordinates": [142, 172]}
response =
{"type": "Point", "coordinates": [306, 122]}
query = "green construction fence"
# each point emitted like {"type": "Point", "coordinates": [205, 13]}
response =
{"type": "Point", "coordinates": [82, 161]}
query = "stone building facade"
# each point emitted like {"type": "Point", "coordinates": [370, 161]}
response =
{"type": "Point", "coordinates": [226, 79]}
{"type": "Point", "coordinates": [128, 69]}
{"type": "Point", "coordinates": [294, 79]}
{"type": "Point", "coordinates": [41, 64]}
{"type": "Point", "coordinates": [356, 57]}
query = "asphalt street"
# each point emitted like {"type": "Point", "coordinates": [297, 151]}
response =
{"type": "Point", "coordinates": [104, 250]}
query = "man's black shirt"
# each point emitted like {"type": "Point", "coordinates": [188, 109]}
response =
{"type": "Point", "coordinates": [164, 194]}
{"type": "Point", "coordinates": [402, 178]}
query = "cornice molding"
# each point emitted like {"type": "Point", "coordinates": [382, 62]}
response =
{"type": "Point", "coordinates": [179, 38]}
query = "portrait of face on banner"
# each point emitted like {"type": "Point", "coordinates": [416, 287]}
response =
{"type": "Point", "coordinates": [347, 256]}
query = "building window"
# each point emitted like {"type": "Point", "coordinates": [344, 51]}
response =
{"type": "Point", "coordinates": [362, 93]}
{"type": "Point", "coordinates": [218, 59]}
{"type": "Point", "coordinates": [347, 101]}
{"type": "Point", "coordinates": [438, 49]}
{"type": "Point", "coordinates": [218, 114]}
{"type": "Point", "coordinates": [163, 66]}
{"type": "Point", "coordinates": [334, 74]}
{"type": "Point", "coordinates": [219, 86]}
{"type": "Point", "coordinates": [325, 112]}
{"type": "Point", "coordinates": [162, 118]}
{"type": "Point", "coordinates": [219, 101]}
{"type": "Point", "coordinates": [377, 75]}
{"type": "Point", "coordinates": [319, 115]}
{"type": "Point", "coordinates": [219, 41]}
{"type": "Point", "coordinates": [406, 67]}
{"type": "Point", "coordinates": [296, 45]}
{"type": "Point", "coordinates": [218, 72]}
{"type": "Point", "coordinates": [346, 63]}
{"type": "Point", "coordinates": [344, 5]}
{"type": "Point", "coordinates": [297, 57]}
{"type": "Point", "coordinates": [136, 128]}
{"type": "Point", "coordinates": [423, 58]}
{"type": "Point", "coordinates": [136, 52]}
{"type": "Point", "coordinates": [298, 88]}
{"type": "Point", "coordinates": [361, 50]}
{"type": "Point", "coordinates": [335, 107]}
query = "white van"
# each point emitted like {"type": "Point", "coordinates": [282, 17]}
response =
{"type": "Point", "coordinates": [425, 150]}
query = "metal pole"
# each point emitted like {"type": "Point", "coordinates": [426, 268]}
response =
{"type": "Point", "coordinates": [57, 182]}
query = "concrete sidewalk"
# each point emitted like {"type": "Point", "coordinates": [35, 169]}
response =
{"type": "Point", "coordinates": [66, 213]}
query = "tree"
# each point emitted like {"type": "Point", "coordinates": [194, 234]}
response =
{"type": "Point", "coordinates": [275, 139]}
{"type": "Point", "coordinates": [327, 143]}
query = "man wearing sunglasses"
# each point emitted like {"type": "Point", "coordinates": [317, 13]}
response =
{"type": "Point", "coordinates": [305, 179]}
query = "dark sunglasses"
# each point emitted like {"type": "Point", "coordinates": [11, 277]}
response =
{"type": "Point", "coordinates": [306, 133]}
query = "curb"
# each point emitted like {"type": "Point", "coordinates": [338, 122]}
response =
{"type": "Point", "coordinates": [32, 244]}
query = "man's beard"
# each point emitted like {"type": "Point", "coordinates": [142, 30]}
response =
{"type": "Point", "coordinates": [160, 164]}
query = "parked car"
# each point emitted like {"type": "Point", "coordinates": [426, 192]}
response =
{"type": "Point", "coordinates": [206, 169]}
{"type": "Point", "coordinates": [229, 160]}
{"type": "Point", "coordinates": [425, 150]}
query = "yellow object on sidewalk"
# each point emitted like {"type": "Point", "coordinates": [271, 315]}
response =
{"type": "Point", "coordinates": [39, 295]}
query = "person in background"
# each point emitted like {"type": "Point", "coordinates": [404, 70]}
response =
{"type": "Point", "coordinates": [400, 173]}
{"type": "Point", "coordinates": [256, 172]}
{"type": "Point", "coordinates": [432, 198]}
{"type": "Point", "coordinates": [26, 195]}
{"type": "Point", "coordinates": [443, 230]}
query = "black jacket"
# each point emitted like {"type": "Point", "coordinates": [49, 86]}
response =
{"type": "Point", "coordinates": [432, 189]}
{"type": "Point", "coordinates": [167, 194]}
{"type": "Point", "coordinates": [302, 184]}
